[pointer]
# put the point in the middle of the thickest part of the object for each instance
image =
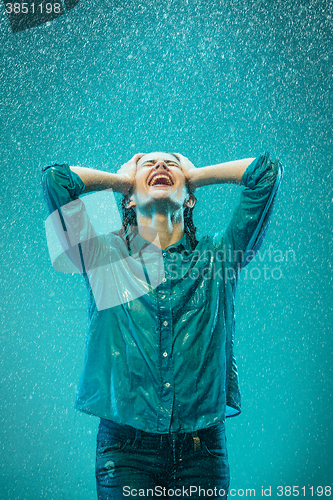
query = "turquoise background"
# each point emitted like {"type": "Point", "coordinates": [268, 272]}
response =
{"type": "Point", "coordinates": [215, 81]}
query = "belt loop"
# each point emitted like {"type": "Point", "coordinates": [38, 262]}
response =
{"type": "Point", "coordinates": [138, 438]}
{"type": "Point", "coordinates": [196, 441]}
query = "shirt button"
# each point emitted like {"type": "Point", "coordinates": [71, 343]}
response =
{"type": "Point", "coordinates": [167, 384]}
{"type": "Point", "coordinates": [165, 354]}
{"type": "Point", "coordinates": [164, 280]}
{"type": "Point", "coordinates": [164, 254]}
{"type": "Point", "coordinates": [165, 323]}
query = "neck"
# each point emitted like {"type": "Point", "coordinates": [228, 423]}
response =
{"type": "Point", "coordinates": [168, 228]}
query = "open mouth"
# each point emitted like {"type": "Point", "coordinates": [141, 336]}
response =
{"type": "Point", "coordinates": [160, 179]}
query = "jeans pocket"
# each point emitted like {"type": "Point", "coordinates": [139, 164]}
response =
{"type": "Point", "coordinates": [108, 455]}
{"type": "Point", "coordinates": [106, 445]}
{"type": "Point", "coordinates": [215, 444]}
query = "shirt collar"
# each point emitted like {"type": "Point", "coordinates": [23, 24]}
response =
{"type": "Point", "coordinates": [138, 244]}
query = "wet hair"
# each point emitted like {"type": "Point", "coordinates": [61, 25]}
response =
{"type": "Point", "coordinates": [130, 220]}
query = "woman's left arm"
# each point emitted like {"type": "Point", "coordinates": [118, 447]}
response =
{"type": "Point", "coordinates": [261, 178]}
{"type": "Point", "coordinates": [229, 172]}
{"type": "Point", "coordinates": [222, 173]}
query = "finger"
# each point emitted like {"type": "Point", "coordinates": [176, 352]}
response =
{"type": "Point", "coordinates": [180, 157]}
{"type": "Point", "coordinates": [136, 157]}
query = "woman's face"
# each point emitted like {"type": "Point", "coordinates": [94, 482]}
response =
{"type": "Point", "coordinates": [159, 183]}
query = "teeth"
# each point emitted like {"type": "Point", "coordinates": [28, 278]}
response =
{"type": "Point", "coordinates": [157, 177]}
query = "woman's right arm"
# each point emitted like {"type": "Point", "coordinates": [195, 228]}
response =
{"type": "Point", "coordinates": [69, 224]}
{"type": "Point", "coordinates": [97, 180]}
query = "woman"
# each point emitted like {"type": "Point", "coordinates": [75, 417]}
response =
{"type": "Point", "coordinates": [160, 370]}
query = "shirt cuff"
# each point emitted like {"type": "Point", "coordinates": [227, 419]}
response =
{"type": "Point", "coordinates": [256, 170]}
{"type": "Point", "coordinates": [75, 184]}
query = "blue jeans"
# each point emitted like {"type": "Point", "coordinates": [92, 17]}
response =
{"type": "Point", "coordinates": [186, 465]}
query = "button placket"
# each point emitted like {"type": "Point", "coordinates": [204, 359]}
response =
{"type": "Point", "coordinates": [166, 373]}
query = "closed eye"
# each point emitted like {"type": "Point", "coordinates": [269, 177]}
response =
{"type": "Point", "coordinates": [151, 163]}
{"type": "Point", "coordinates": [172, 164]}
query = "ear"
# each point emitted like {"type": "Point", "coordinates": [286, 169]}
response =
{"type": "Point", "coordinates": [130, 203]}
{"type": "Point", "coordinates": [190, 201]}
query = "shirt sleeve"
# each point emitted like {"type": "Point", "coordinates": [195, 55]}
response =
{"type": "Point", "coordinates": [248, 227]}
{"type": "Point", "coordinates": [73, 244]}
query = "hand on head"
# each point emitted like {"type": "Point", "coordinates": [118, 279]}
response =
{"type": "Point", "coordinates": [187, 168]}
{"type": "Point", "coordinates": [128, 171]}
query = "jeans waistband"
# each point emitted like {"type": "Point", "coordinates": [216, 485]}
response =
{"type": "Point", "coordinates": [130, 431]}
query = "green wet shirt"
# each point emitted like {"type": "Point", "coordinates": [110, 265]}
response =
{"type": "Point", "coordinates": [160, 340]}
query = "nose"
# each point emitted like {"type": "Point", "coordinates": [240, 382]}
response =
{"type": "Point", "coordinates": [160, 163]}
